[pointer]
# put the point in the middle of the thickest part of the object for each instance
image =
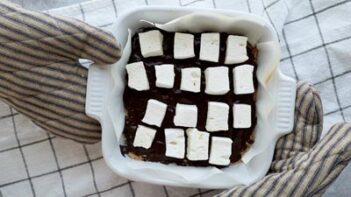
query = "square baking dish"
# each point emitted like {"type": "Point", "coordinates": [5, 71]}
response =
{"type": "Point", "coordinates": [275, 101]}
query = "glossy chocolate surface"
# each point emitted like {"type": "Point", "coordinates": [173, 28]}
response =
{"type": "Point", "coordinates": [135, 101]}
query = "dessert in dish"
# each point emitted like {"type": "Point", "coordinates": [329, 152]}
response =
{"type": "Point", "coordinates": [190, 98]}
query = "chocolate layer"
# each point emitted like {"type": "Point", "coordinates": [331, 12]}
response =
{"type": "Point", "coordinates": [135, 101]}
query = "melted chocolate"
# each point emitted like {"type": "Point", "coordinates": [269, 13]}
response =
{"type": "Point", "coordinates": [135, 102]}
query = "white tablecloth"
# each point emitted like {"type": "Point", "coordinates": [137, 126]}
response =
{"type": "Point", "coordinates": [315, 42]}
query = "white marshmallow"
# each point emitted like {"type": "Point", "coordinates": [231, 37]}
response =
{"type": "Point", "coordinates": [191, 79]}
{"type": "Point", "coordinates": [165, 75]}
{"type": "Point", "coordinates": [198, 143]}
{"type": "Point", "coordinates": [151, 43]}
{"type": "Point", "coordinates": [137, 78]}
{"type": "Point", "coordinates": [236, 50]}
{"type": "Point", "coordinates": [183, 46]}
{"type": "Point", "coordinates": [144, 137]}
{"type": "Point", "coordinates": [242, 115]}
{"type": "Point", "coordinates": [243, 79]}
{"type": "Point", "coordinates": [185, 115]}
{"type": "Point", "coordinates": [217, 116]}
{"type": "Point", "coordinates": [221, 150]}
{"type": "Point", "coordinates": [209, 48]}
{"type": "Point", "coordinates": [175, 143]}
{"type": "Point", "coordinates": [155, 112]}
{"type": "Point", "coordinates": [217, 80]}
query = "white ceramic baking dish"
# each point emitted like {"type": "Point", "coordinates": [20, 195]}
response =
{"type": "Point", "coordinates": [275, 100]}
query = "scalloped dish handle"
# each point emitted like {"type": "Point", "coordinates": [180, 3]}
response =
{"type": "Point", "coordinates": [99, 81]}
{"type": "Point", "coordinates": [285, 104]}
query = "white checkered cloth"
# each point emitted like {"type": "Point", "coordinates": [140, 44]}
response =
{"type": "Point", "coordinates": [315, 47]}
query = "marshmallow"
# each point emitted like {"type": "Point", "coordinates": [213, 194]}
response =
{"type": "Point", "coordinates": [191, 79]}
{"type": "Point", "coordinates": [236, 50]}
{"type": "Point", "coordinates": [137, 78]}
{"type": "Point", "coordinates": [183, 46]}
{"type": "Point", "coordinates": [217, 80]}
{"type": "Point", "coordinates": [221, 150]}
{"type": "Point", "coordinates": [243, 79]}
{"type": "Point", "coordinates": [209, 49]}
{"type": "Point", "coordinates": [165, 75]}
{"type": "Point", "coordinates": [197, 146]}
{"type": "Point", "coordinates": [175, 143]}
{"type": "Point", "coordinates": [217, 116]}
{"type": "Point", "coordinates": [242, 115]}
{"type": "Point", "coordinates": [185, 115]}
{"type": "Point", "coordinates": [144, 137]}
{"type": "Point", "coordinates": [151, 43]}
{"type": "Point", "coordinates": [155, 112]}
